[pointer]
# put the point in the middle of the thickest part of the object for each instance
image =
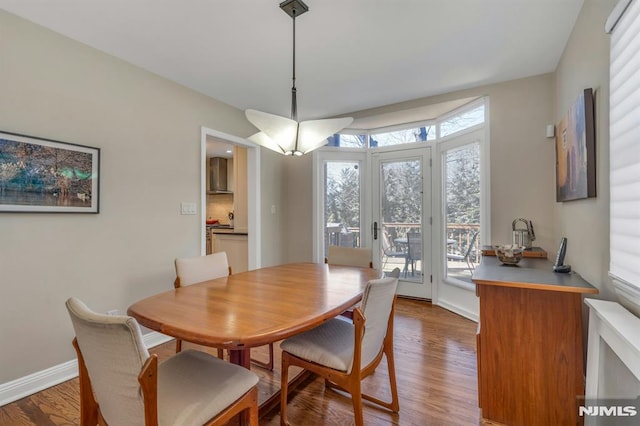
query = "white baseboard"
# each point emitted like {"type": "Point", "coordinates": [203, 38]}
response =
{"type": "Point", "coordinates": [28, 385]}
{"type": "Point", "coordinates": [458, 310]}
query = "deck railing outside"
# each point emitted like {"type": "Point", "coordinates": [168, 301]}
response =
{"type": "Point", "coordinates": [459, 236]}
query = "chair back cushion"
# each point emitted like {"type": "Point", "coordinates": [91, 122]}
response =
{"type": "Point", "coordinates": [193, 270]}
{"type": "Point", "coordinates": [349, 256]}
{"type": "Point", "coordinates": [114, 354]}
{"type": "Point", "coordinates": [414, 241]}
{"type": "Point", "coordinates": [377, 302]}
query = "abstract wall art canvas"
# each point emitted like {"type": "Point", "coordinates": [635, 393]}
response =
{"type": "Point", "coordinates": [575, 151]}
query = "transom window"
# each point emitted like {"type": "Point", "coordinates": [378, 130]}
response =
{"type": "Point", "coordinates": [463, 119]}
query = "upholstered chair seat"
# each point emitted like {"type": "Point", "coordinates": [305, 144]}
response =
{"type": "Point", "coordinates": [330, 344]}
{"type": "Point", "coordinates": [194, 387]}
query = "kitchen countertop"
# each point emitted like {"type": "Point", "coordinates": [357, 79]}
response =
{"type": "Point", "coordinates": [224, 230]}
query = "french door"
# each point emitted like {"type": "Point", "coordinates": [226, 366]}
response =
{"type": "Point", "coordinates": [401, 217]}
{"type": "Point", "coordinates": [342, 190]}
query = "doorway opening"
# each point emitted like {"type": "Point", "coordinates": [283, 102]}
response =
{"type": "Point", "coordinates": [216, 144]}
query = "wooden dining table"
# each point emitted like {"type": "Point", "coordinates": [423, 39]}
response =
{"type": "Point", "coordinates": [254, 308]}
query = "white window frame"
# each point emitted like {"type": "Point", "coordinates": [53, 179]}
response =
{"type": "Point", "coordinates": [461, 140]}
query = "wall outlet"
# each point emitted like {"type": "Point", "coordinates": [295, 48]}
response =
{"type": "Point", "coordinates": [112, 312]}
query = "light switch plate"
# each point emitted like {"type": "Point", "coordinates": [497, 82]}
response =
{"type": "Point", "coordinates": [188, 208]}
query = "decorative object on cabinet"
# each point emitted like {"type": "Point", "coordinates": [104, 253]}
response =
{"type": "Point", "coordinates": [44, 175]}
{"type": "Point", "coordinates": [522, 236]}
{"type": "Point", "coordinates": [575, 151]}
{"type": "Point", "coordinates": [509, 254]}
{"type": "Point", "coordinates": [288, 136]}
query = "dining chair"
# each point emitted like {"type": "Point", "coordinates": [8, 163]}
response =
{"type": "Point", "coordinates": [467, 253]}
{"type": "Point", "coordinates": [349, 256]}
{"type": "Point", "coordinates": [388, 251]}
{"type": "Point", "coordinates": [414, 252]}
{"type": "Point", "coordinates": [344, 353]}
{"type": "Point", "coordinates": [394, 273]}
{"type": "Point", "coordinates": [191, 270]}
{"type": "Point", "coordinates": [121, 384]}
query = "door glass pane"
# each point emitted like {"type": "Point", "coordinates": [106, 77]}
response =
{"type": "Point", "coordinates": [462, 210]}
{"type": "Point", "coordinates": [341, 204]}
{"type": "Point", "coordinates": [401, 215]}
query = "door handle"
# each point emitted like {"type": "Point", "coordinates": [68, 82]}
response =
{"type": "Point", "coordinates": [375, 230]}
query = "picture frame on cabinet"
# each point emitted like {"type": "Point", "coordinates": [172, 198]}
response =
{"type": "Point", "coordinates": [40, 175]}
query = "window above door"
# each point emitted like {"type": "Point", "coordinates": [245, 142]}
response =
{"type": "Point", "coordinates": [465, 118]}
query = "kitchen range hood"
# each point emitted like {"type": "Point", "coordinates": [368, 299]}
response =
{"type": "Point", "coordinates": [218, 176]}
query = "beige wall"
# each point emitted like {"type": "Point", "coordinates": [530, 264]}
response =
{"type": "Point", "coordinates": [585, 223]}
{"type": "Point", "coordinates": [299, 208]}
{"type": "Point", "coordinates": [274, 226]}
{"type": "Point", "coordinates": [149, 131]}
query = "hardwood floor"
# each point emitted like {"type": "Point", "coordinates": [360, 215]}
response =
{"type": "Point", "coordinates": [435, 367]}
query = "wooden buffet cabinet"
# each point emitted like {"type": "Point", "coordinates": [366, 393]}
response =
{"type": "Point", "coordinates": [529, 343]}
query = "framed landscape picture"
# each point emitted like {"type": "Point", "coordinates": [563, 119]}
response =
{"type": "Point", "coordinates": [575, 151]}
{"type": "Point", "coordinates": [44, 175]}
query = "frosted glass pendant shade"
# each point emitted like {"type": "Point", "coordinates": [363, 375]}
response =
{"type": "Point", "coordinates": [289, 137]}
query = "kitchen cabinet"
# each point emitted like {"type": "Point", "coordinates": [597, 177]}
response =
{"type": "Point", "coordinates": [529, 342]}
{"type": "Point", "coordinates": [236, 247]}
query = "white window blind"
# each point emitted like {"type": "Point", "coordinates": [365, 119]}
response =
{"type": "Point", "coordinates": [624, 132]}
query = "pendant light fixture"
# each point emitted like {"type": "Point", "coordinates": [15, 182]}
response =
{"type": "Point", "coordinates": [288, 136]}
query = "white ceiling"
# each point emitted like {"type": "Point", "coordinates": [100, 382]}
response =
{"type": "Point", "coordinates": [351, 54]}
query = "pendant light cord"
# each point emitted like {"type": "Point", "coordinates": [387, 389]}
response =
{"type": "Point", "coordinates": [294, 102]}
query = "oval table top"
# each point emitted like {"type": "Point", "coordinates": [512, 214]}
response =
{"type": "Point", "coordinates": [256, 307]}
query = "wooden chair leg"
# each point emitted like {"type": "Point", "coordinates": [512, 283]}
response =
{"type": "Point", "coordinates": [395, 402]}
{"type": "Point", "coordinates": [254, 420]}
{"type": "Point", "coordinates": [356, 399]}
{"type": "Point", "coordinates": [284, 389]}
{"type": "Point", "coordinates": [266, 365]}
{"type": "Point", "coordinates": [88, 406]}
